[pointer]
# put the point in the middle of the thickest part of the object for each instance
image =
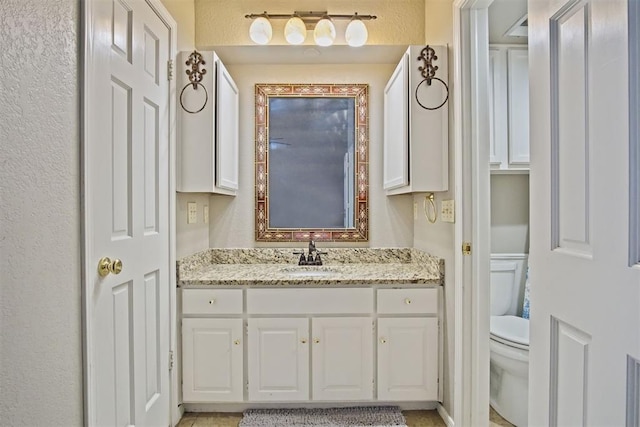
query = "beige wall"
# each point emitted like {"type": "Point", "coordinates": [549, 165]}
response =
{"type": "Point", "coordinates": [222, 22]}
{"type": "Point", "coordinates": [510, 213]}
{"type": "Point", "coordinates": [232, 222]}
{"type": "Point", "coordinates": [438, 239]}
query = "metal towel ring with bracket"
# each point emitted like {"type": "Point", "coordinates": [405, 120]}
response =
{"type": "Point", "coordinates": [428, 72]}
{"type": "Point", "coordinates": [195, 78]}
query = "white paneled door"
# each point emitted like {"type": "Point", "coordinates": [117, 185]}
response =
{"type": "Point", "coordinates": [126, 174]}
{"type": "Point", "coordinates": [585, 286]}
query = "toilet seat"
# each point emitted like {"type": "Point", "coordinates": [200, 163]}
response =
{"type": "Point", "coordinates": [510, 330]}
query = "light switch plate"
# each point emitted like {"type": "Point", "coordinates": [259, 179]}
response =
{"type": "Point", "coordinates": [205, 214]}
{"type": "Point", "coordinates": [192, 213]}
{"type": "Point", "coordinates": [447, 211]}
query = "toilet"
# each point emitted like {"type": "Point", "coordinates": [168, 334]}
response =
{"type": "Point", "coordinates": [509, 343]}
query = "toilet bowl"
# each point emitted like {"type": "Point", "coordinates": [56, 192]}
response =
{"type": "Point", "coordinates": [509, 343]}
{"type": "Point", "coordinates": [509, 355]}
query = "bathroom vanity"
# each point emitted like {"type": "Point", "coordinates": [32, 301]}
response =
{"type": "Point", "coordinates": [258, 328]}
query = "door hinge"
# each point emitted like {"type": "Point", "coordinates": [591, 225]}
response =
{"type": "Point", "coordinates": [171, 360]}
{"type": "Point", "coordinates": [170, 69]}
{"type": "Point", "coordinates": [466, 248]}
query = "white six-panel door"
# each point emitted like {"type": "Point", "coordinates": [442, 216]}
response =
{"type": "Point", "coordinates": [585, 291]}
{"type": "Point", "coordinates": [278, 353]}
{"type": "Point", "coordinates": [126, 119]}
{"type": "Point", "coordinates": [342, 367]}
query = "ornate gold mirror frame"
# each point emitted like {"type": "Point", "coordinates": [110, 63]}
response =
{"type": "Point", "coordinates": [359, 231]}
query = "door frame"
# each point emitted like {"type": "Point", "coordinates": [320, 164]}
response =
{"type": "Point", "coordinates": [471, 141]}
{"type": "Point", "coordinates": [87, 263]}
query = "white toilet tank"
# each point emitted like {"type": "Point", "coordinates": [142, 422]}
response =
{"type": "Point", "coordinates": [506, 285]}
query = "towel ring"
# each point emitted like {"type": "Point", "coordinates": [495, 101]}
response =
{"type": "Point", "coordinates": [206, 97]}
{"type": "Point", "coordinates": [428, 80]}
{"type": "Point", "coordinates": [432, 218]}
{"type": "Point", "coordinates": [195, 74]}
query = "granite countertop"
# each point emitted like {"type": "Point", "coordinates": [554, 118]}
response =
{"type": "Point", "coordinates": [278, 267]}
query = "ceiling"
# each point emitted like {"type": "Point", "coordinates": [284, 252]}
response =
{"type": "Point", "coordinates": [503, 14]}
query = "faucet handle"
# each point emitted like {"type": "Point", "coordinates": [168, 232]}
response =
{"type": "Point", "coordinates": [302, 260]}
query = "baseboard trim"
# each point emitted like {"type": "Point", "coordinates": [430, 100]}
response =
{"type": "Point", "coordinates": [242, 406]}
{"type": "Point", "coordinates": [445, 415]}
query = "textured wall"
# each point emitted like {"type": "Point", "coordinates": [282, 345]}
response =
{"type": "Point", "coordinates": [233, 217]}
{"type": "Point", "coordinates": [183, 11]}
{"type": "Point", "coordinates": [40, 300]}
{"type": "Point", "coordinates": [438, 239]}
{"type": "Point", "coordinates": [222, 22]}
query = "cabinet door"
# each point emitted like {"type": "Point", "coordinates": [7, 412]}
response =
{"type": "Point", "coordinates": [212, 360]}
{"type": "Point", "coordinates": [408, 359]}
{"type": "Point", "coordinates": [227, 129]}
{"type": "Point", "coordinates": [396, 136]}
{"type": "Point", "coordinates": [278, 354]}
{"type": "Point", "coordinates": [498, 117]}
{"type": "Point", "coordinates": [342, 364]}
{"type": "Point", "coordinates": [518, 77]}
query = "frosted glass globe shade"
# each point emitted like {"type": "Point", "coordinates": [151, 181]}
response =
{"type": "Point", "coordinates": [325, 32]}
{"type": "Point", "coordinates": [295, 31]}
{"type": "Point", "coordinates": [260, 30]}
{"type": "Point", "coordinates": [356, 33]}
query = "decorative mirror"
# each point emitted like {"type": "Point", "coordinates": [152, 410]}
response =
{"type": "Point", "coordinates": [312, 160]}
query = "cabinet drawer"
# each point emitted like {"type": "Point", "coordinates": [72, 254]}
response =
{"type": "Point", "coordinates": [307, 301]}
{"type": "Point", "coordinates": [409, 301]}
{"type": "Point", "coordinates": [212, 301]}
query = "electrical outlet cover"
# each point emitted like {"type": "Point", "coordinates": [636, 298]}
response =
{"type": "Point", "coordinates": [192, 213]}
{"type": "Point", "coordinates": [447, 211]}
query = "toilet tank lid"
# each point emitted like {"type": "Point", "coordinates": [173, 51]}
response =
{"type": "Point", "coordinates": [510, 328]}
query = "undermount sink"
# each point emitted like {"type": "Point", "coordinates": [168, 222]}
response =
{"type": "Point", "coordinates": [308, 272]}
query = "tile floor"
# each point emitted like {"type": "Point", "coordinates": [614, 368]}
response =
{"type": "Point", "coordinates": [414, 419]}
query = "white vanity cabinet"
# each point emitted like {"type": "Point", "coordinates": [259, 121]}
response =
{"type": "Point", "coordinates": [286, 353]}
{"type": "Point", "coordinates": [208, 139]}
{"type": "Point", "coordinates": [408, 347]}
{"type": "Point", "coordinates": [415, 155]}
{"type": "Point", "coordinates": [212, 348]}
{"type": "Point", "coordinates": [320, 344]}
{"type": "Point", "coordinates": [509, 108]}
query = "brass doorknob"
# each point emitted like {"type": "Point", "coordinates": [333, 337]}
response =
{"type": "Point", "coordinates": [106, 266]}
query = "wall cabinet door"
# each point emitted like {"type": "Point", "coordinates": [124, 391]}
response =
{"type": "Point", "coordinates": [208, 129]}
{"type": "Point", "coordinates": [396, 121]}
{"type": "Point", "coordinates": [518, 70]}
{"type": "Point", "coordinates": [342, 358]}
{"type": "Point", "coordinates": [212, 360]}
{"type": "Point", "coordinates": [407, 359]}
{"type": "Point", "coordinates": [416, 129]}
{"type": "Point", "coordinates": [509, 108]}
{"type": "Point", "coordinates": [278, 359]}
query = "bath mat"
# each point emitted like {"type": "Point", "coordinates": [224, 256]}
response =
{"type": "Point", "coordinates": [374, 416]}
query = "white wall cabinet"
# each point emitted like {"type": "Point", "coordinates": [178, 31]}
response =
{"type": "Point", "coordinates": [509, 108]}
{"type": "Point", "coordinates": [208, 139]}
{"type": "Point", "coordinates": [311, 344]}
{"type": "Point", "coordinates": [416, 141]}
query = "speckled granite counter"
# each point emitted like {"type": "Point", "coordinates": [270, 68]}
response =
{"type": "Point", "coordinates": [278, 267]}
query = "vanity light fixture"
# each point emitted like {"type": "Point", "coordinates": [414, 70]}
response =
{"type": "Point", "coordinates": [298, 23]}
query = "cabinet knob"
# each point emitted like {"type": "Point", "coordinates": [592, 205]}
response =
{"type": "Point", "coordinates": [303, 340]}
{"type": "Point", "coordinates": [237, 342]}
{"type": "Point", "coordinates": [316, 340]}
{"type": "Point", "coordinates": [383, 340]}
{"type": "Point", "coordinates": [212, 301]}
{"type": "Point", "coordinates": [407, 301]}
